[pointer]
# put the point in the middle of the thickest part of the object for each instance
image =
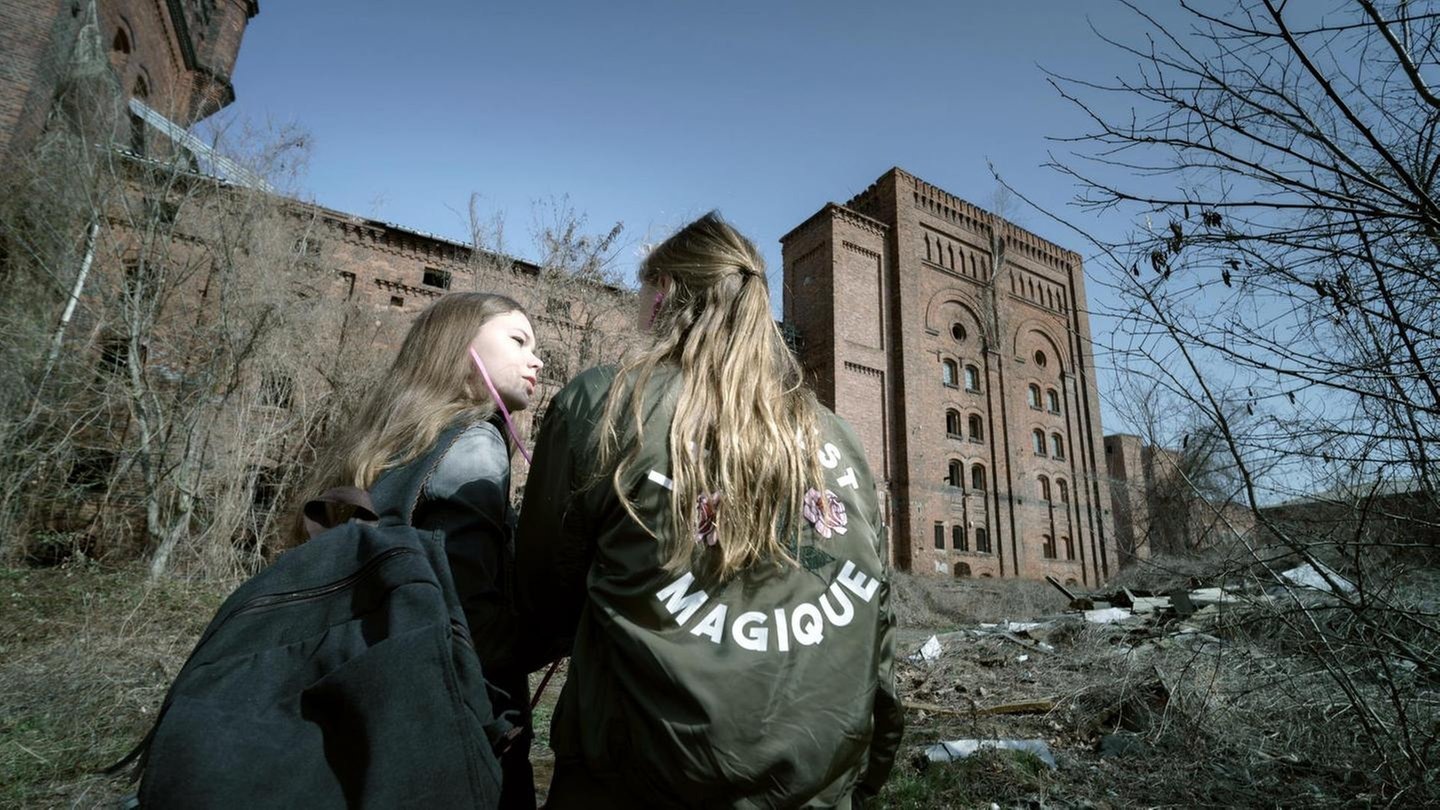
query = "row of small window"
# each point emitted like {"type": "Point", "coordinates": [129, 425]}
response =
{"type": "Point", "coordinates": [975, 424]}
{"type": "Point", "coordinates": [1052, 399]}
{"type": "Point", "coordinates": [955, 476]}
{"type": "Point", "coordinates": [1057, 444]}
{"type": "Point", "coordinates": [960, 541]}
{"type": "Point", "coordinates": [950, 375]}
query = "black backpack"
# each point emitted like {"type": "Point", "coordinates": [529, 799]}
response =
{"type": "Point", "coordinates": [342, 675]}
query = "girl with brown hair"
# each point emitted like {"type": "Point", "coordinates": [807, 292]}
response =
{"type": "Point", "coordinates": [711, 537]}
{"type": "Point", "coordinates": [466, 363]}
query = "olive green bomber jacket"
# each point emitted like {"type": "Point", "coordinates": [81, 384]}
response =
{"type": "Point", "coordinates": [775, 689]}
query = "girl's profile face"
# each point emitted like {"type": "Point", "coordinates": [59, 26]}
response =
{"type": "Point", "coordinates": [506, 344]}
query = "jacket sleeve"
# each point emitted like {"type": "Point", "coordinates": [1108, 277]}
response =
{"type": "Point", "coordinates": [553, 550]}
{"type": "Point", "coordinates": [889, 713]}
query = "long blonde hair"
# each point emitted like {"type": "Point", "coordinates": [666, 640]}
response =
{"type": "Point", "coordinates": [743, 415]}
{"type": "Point", "coordinates": [430, 386]}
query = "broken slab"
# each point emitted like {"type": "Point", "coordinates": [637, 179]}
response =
{"type": "Point", "coordinates": [928, 651]}
{"type": "Point", "coordinates": [1107, 615]}
{"type": "Point", "coordinates": [1317, 576]}
{"type": "Point", "coordinates": [953, 750]}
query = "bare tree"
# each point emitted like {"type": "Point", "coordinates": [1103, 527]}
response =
{"type": "Point", "coordinates": [1281, 162]}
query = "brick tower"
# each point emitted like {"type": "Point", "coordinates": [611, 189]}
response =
{"type": "Point", "coordinates": [958, 345]}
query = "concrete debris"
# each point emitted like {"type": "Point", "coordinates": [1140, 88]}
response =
{"type": "Point", "coordinates": [952, 750]}
{"type": "Point", "coordinates": [1318, 576]}
{"type": "Point", "coordinates": [929, 651]}
{"type": "Point", "coordinates": [1107, 615]}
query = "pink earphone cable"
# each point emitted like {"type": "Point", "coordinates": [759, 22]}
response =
{"type": "Point", "coordinates": [500, 403]}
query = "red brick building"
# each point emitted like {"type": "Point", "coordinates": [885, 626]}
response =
{"type": "Point", "coordinates": [958, 345]}
{"type": "Point", "coordinates": [173, 55]}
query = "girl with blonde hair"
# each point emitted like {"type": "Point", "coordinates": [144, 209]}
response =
{"type": "Point", "coordinates": [467, 361]}
{"type": "Point", "coordinates": [711, 538]}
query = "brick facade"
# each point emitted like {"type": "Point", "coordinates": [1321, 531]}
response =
{"type": "Point", "coordinates": [952, 339]}
{"type": "Point", "coordinates": [174, 55]}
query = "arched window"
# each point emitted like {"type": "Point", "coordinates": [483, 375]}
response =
{"type": "Point", "coordinates": [977, 478]}
{"type": "Point", "coordinates": [1040, 359]}
{"type": "Point", "coordinates": [121, 42]}
{"type": "Point", "coordinates": [1037, 440]}
{"type": "Point", "coordinates": [1044, 489]}
{"type": "Point", "coordinates": [1064, 490]}
{"type": "Point", "coordinates": [1069, 547]}
{"type": "Point", "coordinates": [951, 248]}
{"type": "Point", "coordinates": [1033, 396]}
{"type": "Point", "coordinates": [928, 256]}
{"type": "Point", "coordinates": [957, 539]}
{"type": "Point", "coordinates": [1057, 446]}
{"type": "Point", "coordinates": [142, 88]}
{"type": "Point", "coordinates": [977, 428]}
{"type": "Point", "coordinates": [972, 379]}
{"type": "Point", "coordinates": [940, 535]}
{"type": "Point", "coordinates": [1052, 400]}
{"type": "Point", "coordinates": [1047, 547]}
{"type": "Point", "coordinates": [962, 569]}
{"type": "Point", "coordinates": [954, 475]}
{"type": "Point", "coordinates": [950, 373]}
{"type": "Point", "coordinates": [982, 541]}
{"type": "Point", "coordinates": [952, 422]}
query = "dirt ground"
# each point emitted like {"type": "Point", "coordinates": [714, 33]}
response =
{"type": "Point", "coordinates": [1217, 711]}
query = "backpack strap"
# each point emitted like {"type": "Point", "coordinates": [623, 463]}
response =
{"type": "Point", "coordinates": [335, 506]}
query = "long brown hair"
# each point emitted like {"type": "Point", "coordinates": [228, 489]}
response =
{"type": "Point", "coordinates": [744, 425]}
{"type": "Point", "coordinates": [430, 386]}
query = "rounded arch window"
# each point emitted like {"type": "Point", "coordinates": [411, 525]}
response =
{"type": "Point", "coordinates": [952, 422]}
{"type": "Point", "coordinates": [957, 331]}
{"type": "Point", "coordinates": [1040, 359]}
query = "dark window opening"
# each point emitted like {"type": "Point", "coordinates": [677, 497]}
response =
{"type": "Point", "coordinates": [952, 423]}
{"type": "Point", "coordinates": [142, 88]}
{"type": "Point", "coordinates": [277, 390]}
{"type": "Point", "coordinates": [121, 42]}
{"type": "Point", "coordinates": [1040, 359]}
{"type": "Point", "coordinates": [977, 428]}
{"type": "Point", "coordinates": [91, 469]}
{"type": "Point", "coordinates": [1064, 490]}
{"type": "Point", "coordinates": [953, 475]}
{"type": "Point", "coordinates": [977, 478]}
{"type": "Point", "coordinates": [115, 354]}
{"type": "Point", "coordinates": [957, 331]}
{"type": "Point", "coordinates": [1037, 441]}
{"type": "Point", "coordinates": [1032, 395]}
{"type": "Point", "coordinates": [137, 134]}
{"type": "Point", "coordinates": [982, 541]}
{"type": "Point", "coordinates": [434, 277]}
{"type": "Point", "coordinates": [1052, 400]}
{"type": "Point", "coordinates": [397, 301]}
{"type": "Point", "coordinates": [1057, 446]}
{"type": "Point", "coordinates": [957, 539]}
{"type": "Point", "coordinates": [940, 535]}
{"type": "Point", "coordinates": [1069, 547]}
{"type": "Point", "coordinates": [1047, 547]}
{"type": "Point", "coordinates": [962, 569]}
{"type": "Point", "coordinates": [1044, 488]}
{"type": "Point", "coordinates": [347, 280]}
{"type": "Point", "coordinates": [950, 374]}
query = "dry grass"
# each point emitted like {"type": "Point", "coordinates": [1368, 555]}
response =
{"type": "Point", "coordinates": [1236, 713]}
{"type": "Point", "coordinates": [85, 658]}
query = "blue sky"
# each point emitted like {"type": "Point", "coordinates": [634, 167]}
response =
{"type": "Point", "coordinates": [650, 113]}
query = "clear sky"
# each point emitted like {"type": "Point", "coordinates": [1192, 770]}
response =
{"type": "Point", "coordinates": [650, 113]}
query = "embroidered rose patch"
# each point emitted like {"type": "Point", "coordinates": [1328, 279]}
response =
{"type": "Point", "coordinates": [825, 525]}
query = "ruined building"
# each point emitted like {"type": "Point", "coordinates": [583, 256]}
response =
{"type": "Point", "coordinates": [958, 346]}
